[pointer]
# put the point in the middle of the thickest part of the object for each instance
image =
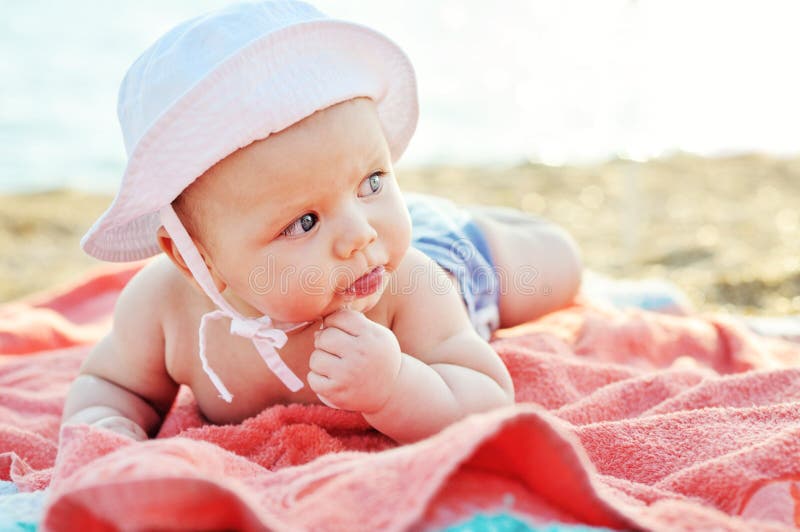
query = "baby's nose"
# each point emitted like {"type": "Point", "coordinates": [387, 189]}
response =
{"type": "Point", "coordinates": [356, 233]}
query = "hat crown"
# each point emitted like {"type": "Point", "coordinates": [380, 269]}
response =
{"type": "Point", "coordinates": [218, 82]}
{"type": "Point", "coordinates": [188, 52]}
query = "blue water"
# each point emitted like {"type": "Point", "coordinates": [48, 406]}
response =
{"type": "Point", "coordinates": [550, 81]}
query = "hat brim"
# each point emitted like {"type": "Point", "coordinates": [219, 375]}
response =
{"type": "Point", "coordinates": [280, 78]}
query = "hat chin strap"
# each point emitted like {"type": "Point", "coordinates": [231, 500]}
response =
{"type": "Point", "coordinates": [266, 338]}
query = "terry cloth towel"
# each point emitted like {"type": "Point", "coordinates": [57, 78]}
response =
{"type": "Point", "coordinates": [625, 419]}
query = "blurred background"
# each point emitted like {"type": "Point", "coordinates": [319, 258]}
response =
{"type": "Point", "coordinates": [664, 135]}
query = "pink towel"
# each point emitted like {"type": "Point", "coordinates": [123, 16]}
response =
{"type": "Point", "coordinates": [624, 419]}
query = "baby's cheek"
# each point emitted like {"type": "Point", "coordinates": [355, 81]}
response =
{"type": "Point", "coordinates": [288, 309]}
{"type": "Point", "coordinates": [399, 235]}
{"type": "Point", "coordinates": [300, 300]}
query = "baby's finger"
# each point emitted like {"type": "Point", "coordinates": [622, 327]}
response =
{"type": "Point", "coordinates": [333, 340]}
{"type": "Point", "coordinates": [122, 425]}
{"type": "Point", "coordinates": [327, 402]}
{"type": "Point", "coordinates": [347, 320]}
{"type": "Point", "coordinates": [318, 383]}
{"type": "Point", "coordinates": [323, 363]}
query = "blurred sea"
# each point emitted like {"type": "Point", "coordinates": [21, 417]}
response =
{"type": "Point", "coordinates": [500, 82]}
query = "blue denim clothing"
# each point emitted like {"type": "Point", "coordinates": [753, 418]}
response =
{"type": "Point", "coordinates": [447, 234]}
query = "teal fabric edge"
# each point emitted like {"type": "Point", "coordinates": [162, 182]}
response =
{"type": "Point", "coordinates": [20, 512]}
{"type": "Point", "coordinates": [505, 522]}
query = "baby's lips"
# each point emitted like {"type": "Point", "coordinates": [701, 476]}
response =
{"type": "Point", "coordinates": [367, 283]}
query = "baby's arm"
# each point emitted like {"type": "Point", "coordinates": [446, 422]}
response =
{"type": "Point", "coordinates": [123, 384]}
{"type": "Point", "coordinates": [427, 397]}
{"type": "Point", "coordinates": [447, 370]}
{"type": "Point", "coordinates": [430, 370]}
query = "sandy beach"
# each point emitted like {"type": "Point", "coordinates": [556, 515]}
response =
{"type": "Point", "coordinates": [725, 230]}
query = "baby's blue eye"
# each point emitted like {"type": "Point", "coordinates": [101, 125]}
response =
{"type": "Point", "coordinates": [373, 182]}
{"type": "Point", "coordinates": [305, 224]}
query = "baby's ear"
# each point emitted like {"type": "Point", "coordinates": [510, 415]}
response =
{"type": "Point", "coordinates": [168, 246]}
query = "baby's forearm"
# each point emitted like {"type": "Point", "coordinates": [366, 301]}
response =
{"type": "Point", "coordinates": [427, 398]}
{"type": "Point", "coordinates": [96, 401]}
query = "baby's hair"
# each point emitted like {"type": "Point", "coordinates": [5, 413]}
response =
{"type": "Point", "coordinates": [186, 211]}
{"type": "Point", "coordinates": [188, 206]}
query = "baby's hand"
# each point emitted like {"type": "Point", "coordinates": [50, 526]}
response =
{"type": "Point", "coordinates": [355, 362]}
{"type": "Point", "coordinates": [118, 424]}
{"type": "Point", "coordinates": [122, 425]}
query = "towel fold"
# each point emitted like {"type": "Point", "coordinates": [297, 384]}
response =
{"type": "Point", "coordinates": [624, 419]}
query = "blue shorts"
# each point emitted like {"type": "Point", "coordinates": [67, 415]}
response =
{"type": "Point", "coordinates": [447, 234]}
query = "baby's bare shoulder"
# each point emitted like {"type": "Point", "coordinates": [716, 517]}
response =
{"type": "Point", "coordinates": [160, 289]}
{"type": "Point", "coordinates": [141, 301]}
{"type": "Point", "coordinates": [431, 323]}
{"type": "Point", "coordinates": [420, 278]}
{"type": "Point", "coordinates": [161, 279]}
{"type": "Point", "coordinates": [414, 266]}
{"type": "Point", "coordinates": [132, 355]}
{"type": "Point", "coordinates": [174, 308]}
{"type": "Point", "coordinates": [427, 307]}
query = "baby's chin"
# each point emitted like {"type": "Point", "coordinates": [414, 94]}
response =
{"type": "Point", "coordinates": [292, 318]}
{"type": "Point", "coordinates": [309, 311]}
{"type": "Point", "coordinates": [357, 304]}
{"type": "Point", "coordinates": [363, 304]}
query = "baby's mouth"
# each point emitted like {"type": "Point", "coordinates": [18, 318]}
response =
{"type": "Point", "coordinates": [367, 283]}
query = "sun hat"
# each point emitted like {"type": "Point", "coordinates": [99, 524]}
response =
{"type": "Point", "coordinates": [218, 82]}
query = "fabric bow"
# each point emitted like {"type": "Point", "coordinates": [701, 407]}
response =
{"type": "Point", "coordinates": [266, 339]}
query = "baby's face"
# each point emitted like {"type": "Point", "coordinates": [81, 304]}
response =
{"type": "Point", "coordinates": [291, 221]}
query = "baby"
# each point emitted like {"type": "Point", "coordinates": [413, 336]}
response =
{"type": "Point", "coordinates": [261, 141]}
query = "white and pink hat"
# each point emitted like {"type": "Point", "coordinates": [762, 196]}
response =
{"type": "Point", "coordinates": [217, 83]}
